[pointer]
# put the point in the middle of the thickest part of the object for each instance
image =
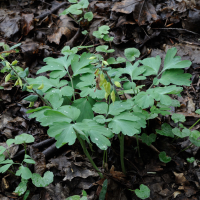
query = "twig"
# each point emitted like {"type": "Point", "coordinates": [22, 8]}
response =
{"type": "Point", "coordinates": [51, 11]}
{"type": "Point", "coordinates": [179, 29]}
{"type": "Point", "coordinates": [141, 11]}
{"type": "Point", "coordinates": [38, 145]}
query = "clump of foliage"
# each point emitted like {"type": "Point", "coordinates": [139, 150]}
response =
{"type": "Point", "coordinates": [23, 171]}
{"type": "Point", "coordinates": [83, 95]}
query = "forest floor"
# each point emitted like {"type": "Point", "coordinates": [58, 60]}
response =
{"type": "Point", "coordinates": [153, 27]}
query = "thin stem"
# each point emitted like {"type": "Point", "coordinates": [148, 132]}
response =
{"type": "Point", "coordinates": [88, 156]}
{"type": "Point", "coordinates": [194, 124]}
{"type": "Point", "coordinates": [104, 154]}
{"type": "Point", "coordinates": [71, 84]}
{"type": "Point", "coordinates": [186, 148]}
{"type": "Point", "coordinates": [121, 140]}
{"type": "Point", "coordinates": [25, 147]}
{"type": "Point", "coordinates": [111, 82]}
{"type": "Point", "coordinates": [189, 129]}
{"type": "Point", "coordinates": [73, 18]}
{"type": "Point", "coordinates": [44, 100]}
{"type": "Point", "coordinates": [138, 147]}
{"type": "Point", "coordinates": [156, 77]}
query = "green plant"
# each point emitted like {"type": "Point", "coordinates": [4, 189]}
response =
{"type": "Point", "coordinates": [102, 33]}
{"type": "Point", "coordinates": [103, 190]}
{"type": "Point", "coordinates": [191, 160]}
{"type": "Point", "coordinates": [23, 171]}
{"type": "Point", "coordinates": [143, 192]}
{"type": "Point", "coordinates": [86, 102]}
{"type": "Point", "coordinates": [77, 197]}
{"type": "Point", "coordinates": [95, 80]}
{"type": "Point", "coordinates": [84, 194]}
{"type": "Point", "coordinates": [78, 8]}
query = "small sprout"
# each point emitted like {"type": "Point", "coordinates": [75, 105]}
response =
{"type": "Point", "coordinates": [164, 158]}
{"type": "Point", "coordinates": [41, 86]}
{"type": "Point", "coordinates": [84, 32]}
{"type": "Point", "coordinates": [113, 96]}
{"type": "Point", "coordinates": [7, 78]}
{"type": "Point", "coordinates": [106, 96]}
{"type": "Point", "coordinates": [117, 84]}
{"type": "Point", "coordinates": [30, 87]}
{"type": "Point", "coordinates": [191, 160]}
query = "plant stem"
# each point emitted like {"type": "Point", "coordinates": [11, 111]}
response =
{"type": "Point", "coordinates": [111, 82]}
{"type": "Point", "coordinates": [121, 139]}
{"type": "Point", "coordinates": [189, 129]}
{"type": "Point", "coordinates": [88, 155]}
{"type": "Point", "coordinates": [138, 147]}
{"type": "Point", "coordinates": [194, 124]}
{"type": "Point", "coordinates": [44, 100]}
{"type": "Point", "coordinates": [72, 84]}
{"type": "Point", "coordinates": [25, 147]}
{"type": "Point", "coordinates": [73, 18]}
{"type": "Point", "coordinates": [186, 148]}
{"type": "Point", "coordinates": [104, 154]}
{"type": "Point", "coordinates": [156, 77]}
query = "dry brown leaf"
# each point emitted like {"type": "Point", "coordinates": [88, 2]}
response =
{"type": "Point", "coordinates": [65, 27]}
{"type": "Point", "coordinates": [176, 193]}
{"type": "Point", "coordinates": [116, 174]}
{"type": "Point", "coordinates": [180, 178]}
{"type": "Point", "coordinates": [27, 23]}
{"type": "Point", "coordinates": [143, 11]}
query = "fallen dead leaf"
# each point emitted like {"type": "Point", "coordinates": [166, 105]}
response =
{"type": "Point", "coordinates": [65, 27]}
{"type": "Point", "coordinates": [180, 178]}
{"type": "Point", "coordinates": [176, 193]}
{"type": "Point", "coordinates": [143, 11]}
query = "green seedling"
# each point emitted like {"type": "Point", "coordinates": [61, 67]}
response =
{"type": "Point", "coordinates": [23, 171]}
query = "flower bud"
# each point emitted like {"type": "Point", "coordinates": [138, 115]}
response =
{"type": "Point", "coordinates": [105, 62]}
{"type": "Point", "coordinates": [113, 96]}
{"type": "Point", "coordinates": [17, 82]}
{"type": "Point", "coordinates": [92, 58]}
{"type": "Point", "coordinates": [30, 87]}
{"type": "Point", "coordinates": [102, 80]}
{"type": "Point", "coordinates": [107, 87]}
{"type": "Point", "coordinates": [117, 84]}
{"type": "Point", "coordinates": [96, 72]}
{"type": "Point", "coordinates": [20, 82]}
{"type": "Point", "coordinates": [7, 78]}
{"type": "Point", "coordinates": [7, 64]}
{"type": "Point", "coordinates": [106, 96]}
{"type": "Point", "coordinates": [14, 62]}
{"type": "Point", "coordinates": [31, 104]}
{"type": "Point", "coordinates": [41, 86]}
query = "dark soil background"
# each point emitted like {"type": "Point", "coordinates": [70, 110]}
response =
{"type": "Point", "coordinates": [152, 26]}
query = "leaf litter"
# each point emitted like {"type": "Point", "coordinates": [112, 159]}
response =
{"type": "Point", "coordinates": [151, 26]}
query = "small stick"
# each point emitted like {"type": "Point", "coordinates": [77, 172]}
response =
{"type": "Point", "coordinates": [51, 11]}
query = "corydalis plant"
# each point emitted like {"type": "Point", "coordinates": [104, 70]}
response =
{"type": "Point", "coordinates": [23, 171]}
{"type": "Point", "coordinates": [92, 119]}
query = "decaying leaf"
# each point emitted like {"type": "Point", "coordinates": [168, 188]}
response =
{"type": "Point", "coordinates": [65, 27]}
{"type": "Point", "coordinates": [143, 11]}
